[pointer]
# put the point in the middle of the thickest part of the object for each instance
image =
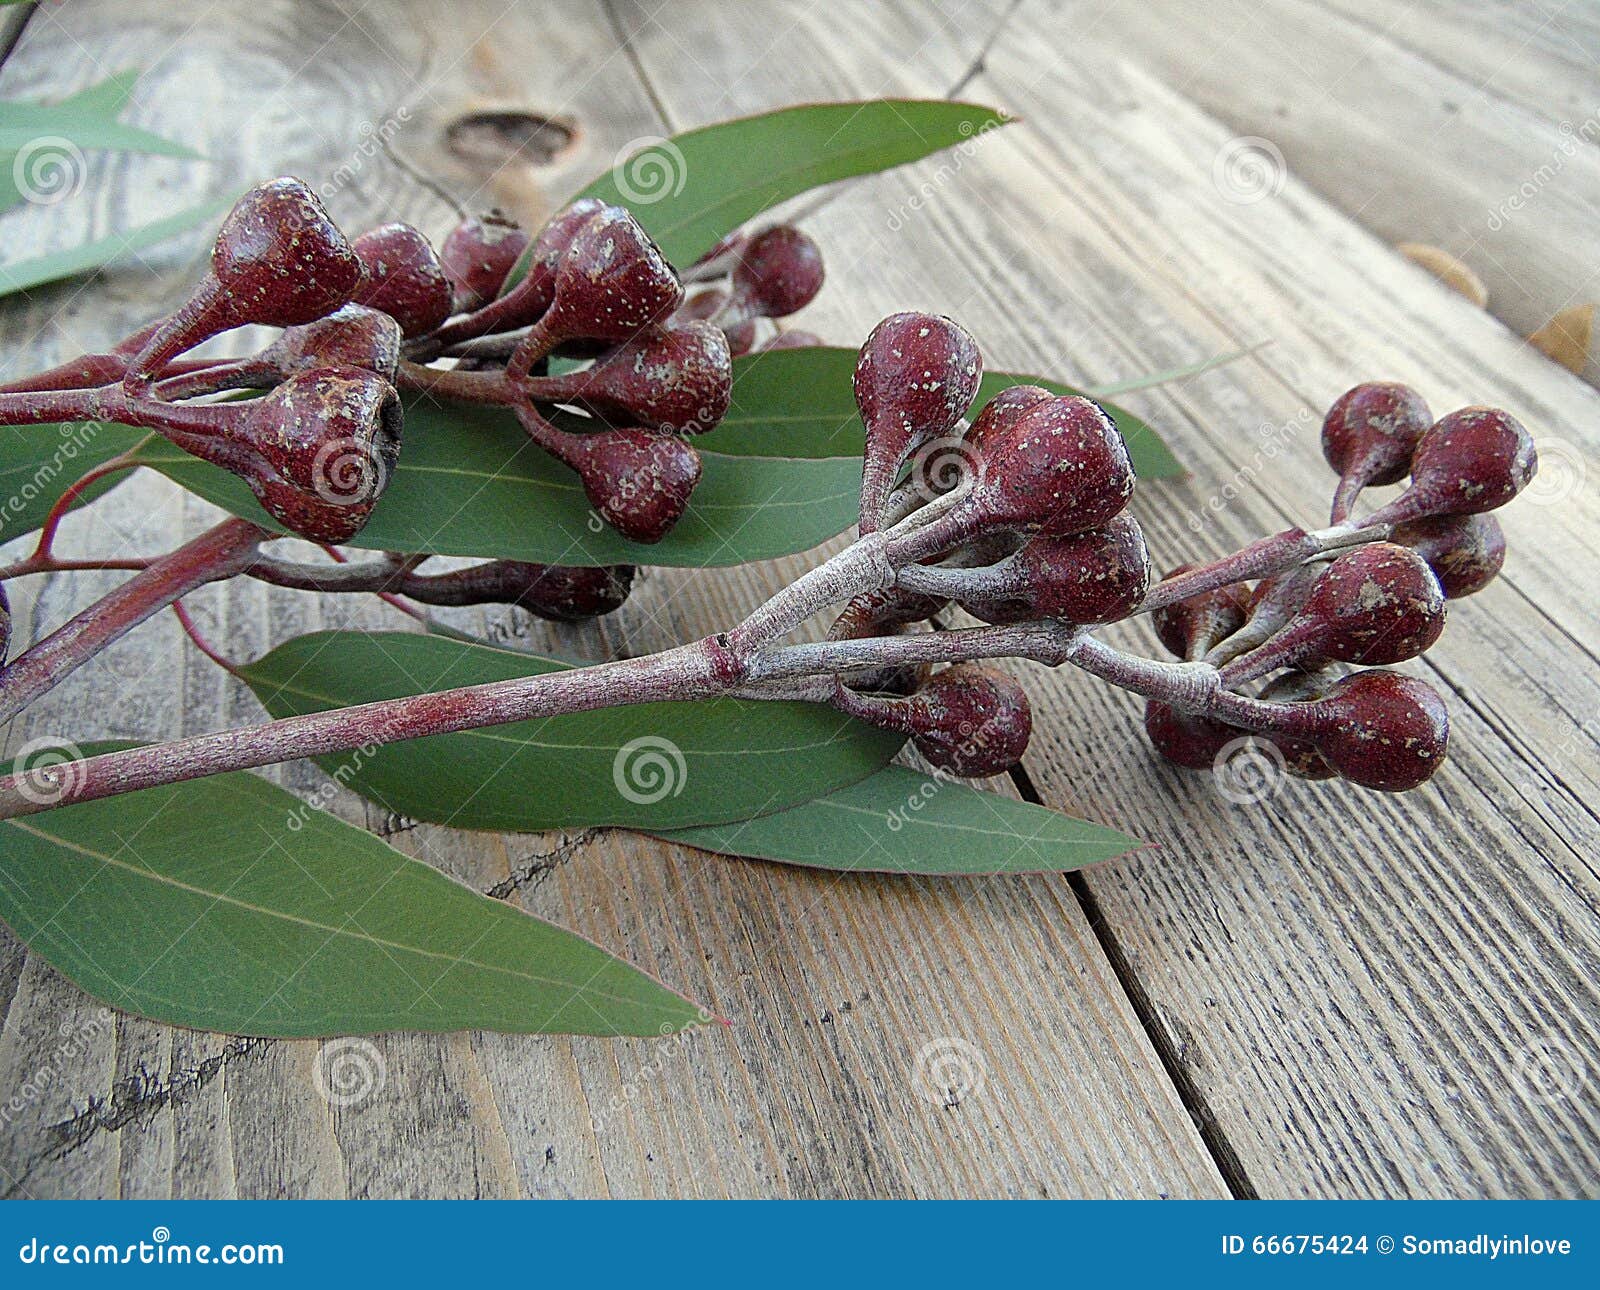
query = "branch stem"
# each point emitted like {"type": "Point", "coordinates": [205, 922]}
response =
{"type": "Point", "coordinates": [219, 552]}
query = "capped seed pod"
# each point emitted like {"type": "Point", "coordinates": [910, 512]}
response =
{"type": "Point", "coordinates": [916, 377]}
{"type": "Point", "coordinates": [1369, 437]}
{"type": "Point", "coordinates": [1375, 604]}
{"type": "Point", "coordinates": [1471, 461]}
{"type": "Point", "coordinates": [1191, 628]}
{"type": "Point", "coordinates": [1383, 730]}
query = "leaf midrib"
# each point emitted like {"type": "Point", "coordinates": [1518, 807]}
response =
{"type": "Point", "coordinates": [381, 942]}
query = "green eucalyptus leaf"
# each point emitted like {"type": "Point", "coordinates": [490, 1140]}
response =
{"type": "Point", "coordinates": [93, 255]}
{"type": "Point", "coordinates": [471, 483]}
{"type": "Point", "coordinates": [798, 402]}
{"type": "Point", "coordinates": [692, 189]}
{"type": "Point", "coordinates": [86, 121]}
{"type": "Point", "coordinates": [902, 821]}
{"type": "Point", "coordinates": [39, 463]}
{"type": "Point", "coordinates": [227, 904]}
{"type": "Point", "coordinates": [105, 99]}
{"type": "Point", "coordinates": [655, 766]}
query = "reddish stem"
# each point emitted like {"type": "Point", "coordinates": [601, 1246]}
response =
{"type": "Point", "coordinates": [219, 552]}
{"type": "Point", "coordinates": [63, 504]}
{"type": "Point", "coordinates": [193, 632]}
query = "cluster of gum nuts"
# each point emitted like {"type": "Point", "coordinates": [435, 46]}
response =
{"type": "Point", "coordinates": [640, 366]}
{"type": "Point", "coordinates": [1038, 533]}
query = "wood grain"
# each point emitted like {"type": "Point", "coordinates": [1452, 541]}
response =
{"type": "Point", "coordinates": [1470, 127]}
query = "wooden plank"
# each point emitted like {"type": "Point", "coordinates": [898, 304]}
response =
{"type": "Point", "coordinates": [835, 986]}
{"type": "Point", "coordinates": [1467, 127]}
{"type": "Point", "coordinates": [1355, 985]}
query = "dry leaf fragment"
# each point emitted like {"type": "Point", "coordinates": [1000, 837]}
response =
{"type": "Point", "coordinates": [1566, 336]}
{"type": "Point", "coordinates": [1449, 270]}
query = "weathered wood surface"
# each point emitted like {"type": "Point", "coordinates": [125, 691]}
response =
{"type": "Point", "coordinates": [1470, 126]}
{"type": "Point", "coordinates": [1323, 994]}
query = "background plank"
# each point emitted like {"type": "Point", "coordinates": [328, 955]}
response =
{"type": "Point", "coordinates": [1471, 127]}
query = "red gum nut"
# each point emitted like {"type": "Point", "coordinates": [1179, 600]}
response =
{"type": "Point", "coordinates": [355, 336]}
{"type": "Point", "coordinates": [1382, 730]}
{"type": "Point", "coordinates": [1465, 552]}
{"type": "Point", "coordinates": [1000, 412]}
{"type": "Point", "coordinates": [478, 256]}
{"type": "Point", "coordinates": [318, 450]}
{"type": "Point", "coordinates": [611, 283]}
{"type": "Point", "coordinates": [550, 247]}
{"type": "Point", "coordinates": [709, 305]}
{"type": "Point", "coordinates": [1094, 577]}
{"type": "Point", "coordinates": [1059, 468]}
{"type": "Point", "coordinates": [1376, 604]}
{"type": "Point", "coordinates": [970, 721]}
{"type": "Point", "coordinates": [404, 278]}
{"type": "Point", "coordinates": [676, 380]}
{"type": "Point", "coordinates": [1370, 434]}
{"type": "Point", "coordinates": [779, 273]}
{"type": "Point", "coordinates": [640, 483]}
{"type": "Point", "coordinates": [278, 261]}
{"type": "Point", "coordinates": [914, 380]}
{"type": "Point", "coordinates": [1191, 628]}
{"type": "Point", "coordinates": [280, 258]}
{"type": "Point", "coordinates": [1471, 461]}
{"type": "Point", "coordinates": [1184, 738]}
{"type": "Point", "coordinates": [703, 305]}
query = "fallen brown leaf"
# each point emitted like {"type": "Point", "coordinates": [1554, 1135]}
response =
{"type": "Point", "coordinates": [1566, 336]}
{"type": "Point", "coordinates": [1449, 270]}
